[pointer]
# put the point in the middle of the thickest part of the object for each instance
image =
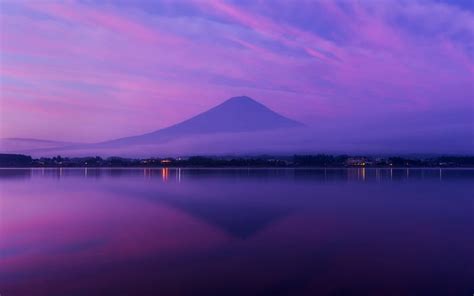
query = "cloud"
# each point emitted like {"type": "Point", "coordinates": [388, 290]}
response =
{"type": "Point", "coordinates": [322, 62]}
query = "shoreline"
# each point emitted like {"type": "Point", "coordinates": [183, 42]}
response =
{"type": "Point", "coordinates": [236, 168]}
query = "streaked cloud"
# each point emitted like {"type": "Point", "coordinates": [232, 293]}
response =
{"type": "Point", "coordinates": [125, 68]}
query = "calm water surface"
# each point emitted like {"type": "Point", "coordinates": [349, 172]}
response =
{"type": "Point", "coordinates": [236, 232]}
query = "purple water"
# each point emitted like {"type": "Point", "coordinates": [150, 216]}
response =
{"type": "Point", "coordinates": [236, 232]}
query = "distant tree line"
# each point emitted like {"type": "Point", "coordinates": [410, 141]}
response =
{"type": "Point", "coordinates": [319, 160]}
{"type": "Point", "coordinates": [12, 160]}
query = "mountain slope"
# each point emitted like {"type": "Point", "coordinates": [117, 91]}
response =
{"type": "Point", "coordinates": [16, 145]}
{"type": "Point", "coordinates": [237, 114]}
{"type": "Point", "coordinates": [238, 125]}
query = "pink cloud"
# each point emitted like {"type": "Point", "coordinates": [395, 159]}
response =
{"type": "Point", "coordinates": [110, 60]}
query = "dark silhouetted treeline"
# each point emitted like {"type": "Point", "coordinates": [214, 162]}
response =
{"type": "Point", "coordinates": [319, 160]}
{"type": "Point", "coordinates": [15, 160]}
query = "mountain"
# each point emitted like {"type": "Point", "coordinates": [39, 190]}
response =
{"type": "Point", "coordinates": [236, 115]}
{"type": "Point", "coordinates": [16, 145]}
{"type": "Point", "coordinates": [238, 125]}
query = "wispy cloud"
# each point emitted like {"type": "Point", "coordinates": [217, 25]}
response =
{"type": "Point", "coordinates": [316, 61]}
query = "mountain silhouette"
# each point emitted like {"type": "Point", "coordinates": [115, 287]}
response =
{"type": "Point", "coordinates": [240, 124]}
{"type": "Point", "coordinates": [237, 114]}
{"type": "Point", "coordinates": [14, 145]}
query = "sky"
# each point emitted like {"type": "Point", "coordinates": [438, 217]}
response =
{"type": "Point", "coordinates": [87, 71]}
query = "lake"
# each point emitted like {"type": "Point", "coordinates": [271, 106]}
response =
{"type": "Point", "coordinates": [236, 232]}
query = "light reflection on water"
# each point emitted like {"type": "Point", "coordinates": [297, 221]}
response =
{"type": "Point", "coordinates": [151, 231]}
{"type": "Point", "coordinates": [316, 174]}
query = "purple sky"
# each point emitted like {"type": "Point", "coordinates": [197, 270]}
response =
{"type": "Point", "coordinates": [96, 70]}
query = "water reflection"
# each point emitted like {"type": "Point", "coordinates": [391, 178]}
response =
{"type": "Point", "coordinates": [165, 174]}
{"type": "Point", "coordinates": [236, 232]}
{"type": "Point", "coordinates": [320, 175]}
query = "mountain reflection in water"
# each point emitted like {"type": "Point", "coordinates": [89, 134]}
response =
{"type": "Point", "coordinates": [236, 231]}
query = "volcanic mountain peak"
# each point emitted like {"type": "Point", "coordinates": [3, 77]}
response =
{"type": "Point", "coordinates": [237, 114]}
{"type": "Point", "coordinates": [242, 104]}
{"type": "Point", "coordinates": [242, 100]}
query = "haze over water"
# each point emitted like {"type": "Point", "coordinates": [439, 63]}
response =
{"type": "Point", "coordinates": [236, 231]}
